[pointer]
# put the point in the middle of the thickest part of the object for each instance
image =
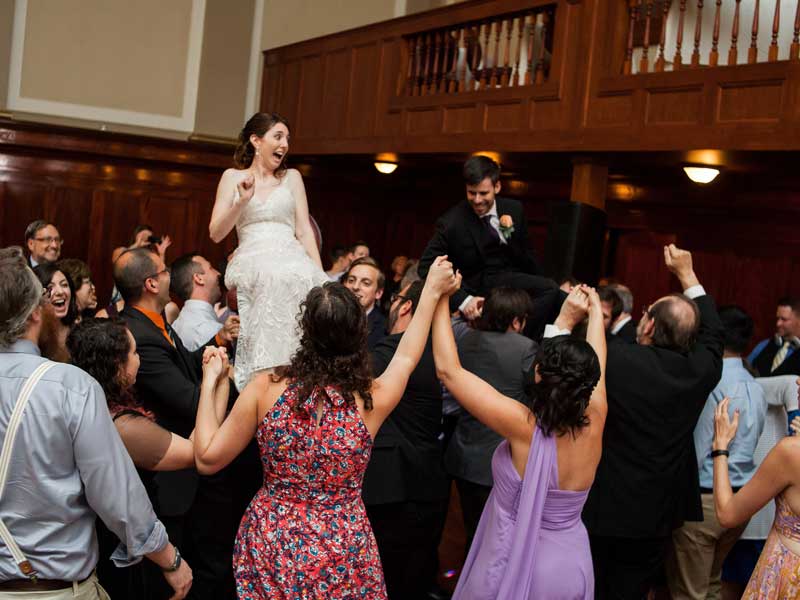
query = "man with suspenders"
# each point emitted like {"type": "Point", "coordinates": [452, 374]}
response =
{"type": "Point", "coordinates": [62, 464]}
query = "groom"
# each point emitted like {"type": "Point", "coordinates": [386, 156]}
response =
{"type": "Point", "coordinates": [486, 238]}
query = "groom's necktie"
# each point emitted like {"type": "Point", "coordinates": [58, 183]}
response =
{"type": "Point", "coordinates": [487, 223]}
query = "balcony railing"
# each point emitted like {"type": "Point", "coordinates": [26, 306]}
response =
{"type": "Point", "coordinates": [507, 50]}
{"type": "Point", "coordinates": [667, 35]}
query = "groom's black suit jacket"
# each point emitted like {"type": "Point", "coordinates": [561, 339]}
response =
{"type": "Point", "coordinates": [461, 235]}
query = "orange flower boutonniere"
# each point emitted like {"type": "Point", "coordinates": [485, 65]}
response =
{"type": "Point", "coordinates": [506, 226]}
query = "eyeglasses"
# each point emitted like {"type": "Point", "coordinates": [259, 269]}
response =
{"type": "Point", "coordinates": [155, 275]}
{"type": "Point", "coordinates": [50, 240]}
{"type": "Point", "coordinates": [398, 296]}
{"type": "Point", "coordinates": [646, 312]}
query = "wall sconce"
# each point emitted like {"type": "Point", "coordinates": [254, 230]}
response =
{"type": "Point", "coordinates": [701, 174]}
{"type": "Point", "coordinates": [386, 162]}
{"type": "Point", "coordinates": [385, 167]}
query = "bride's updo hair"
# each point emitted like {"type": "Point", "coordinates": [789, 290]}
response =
{"type": "Point", "coordinates": [569, 371]}
{"type": "Point", "coordinates": [333, 346]}
{"type": "Point", "coordinates": [259, 124]}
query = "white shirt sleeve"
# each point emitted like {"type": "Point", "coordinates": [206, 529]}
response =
{"type": "Point", "coordinates": [463, 305]}
{"type": "Point", "coordinates": [695, 291]}
{"type": "Point", "coordinates": [553, 331]}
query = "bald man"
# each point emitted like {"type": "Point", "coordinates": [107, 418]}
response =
{"type": "Point", "coordinates": [647, 481]}
{"type": "Point", "coordinates": [196, 510]}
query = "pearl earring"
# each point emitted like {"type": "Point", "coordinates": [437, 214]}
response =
{"type": "Point", "coordinates": [258, 152]}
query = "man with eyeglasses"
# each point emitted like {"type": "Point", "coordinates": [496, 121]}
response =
{"type": "Point", "coordinates": [65, 465]}
{"type": "Point", "coordinates": [405, 488]}
{"type": "Point", "coordinates": [43, 242]}
{"type": "Point", "coordinates": [647, 482]}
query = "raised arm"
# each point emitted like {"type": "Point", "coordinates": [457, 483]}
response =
{"type": "Point", "coordinates": [217, 440]}
{"type": "Point", "coordinates": [302, 221]}
{"type": "Point", "coordinates": [772, 477]}
{"type": "Point", "coordinates": [504, 415]}
{"type": "Point", "coordinates": [596, 337]}
{"type": "Point", "coordinates": [227, 207]}
{"type": "Point", "coordinates": [388, 388]}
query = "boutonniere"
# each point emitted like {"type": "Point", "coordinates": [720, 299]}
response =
{"type": "Point", "coordinates": [506, 226]}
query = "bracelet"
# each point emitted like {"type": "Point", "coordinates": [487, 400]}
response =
{"type": "Point", "coordinates": [175, 564]}
{"type": "Point", "coordinates": [716, 453]}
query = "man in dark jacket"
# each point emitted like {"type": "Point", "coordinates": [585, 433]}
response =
{"type": "Point", "coordinates": [647, 480]}
{"type": "Point", "coordinates": [405, 488]}
{"type": "Point", "coordinates": [486, 238]}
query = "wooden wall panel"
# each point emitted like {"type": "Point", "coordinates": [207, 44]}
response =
{"type": "Point", "coordinates": [750, 103]}
{"type": "Point", "coordinates": [586, 98]}
{"type": "Point", "coordinates": [674, 107]}
{"type": "Point", "coordinates": [503, 117]}
{"type": "Point", "coordinates": [363, 93]}
{"type": "Point", "coordinates": [311, 112]}
{"type": "Point", "coordinates": [335, 93]}
{"type": "Point", "coordinates": [289, 91]}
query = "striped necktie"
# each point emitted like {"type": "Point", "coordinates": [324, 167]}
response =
{"type": "Point", "coordinates": [780, 356]}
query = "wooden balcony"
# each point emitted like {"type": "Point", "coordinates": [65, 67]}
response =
{"type": "Point", "coordinates": [548, 75]}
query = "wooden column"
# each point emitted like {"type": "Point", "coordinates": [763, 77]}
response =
{"type": "Point", "coordinates": [577, 231]}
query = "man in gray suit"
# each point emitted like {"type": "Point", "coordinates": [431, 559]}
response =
{"type": "Point", "coordinates": [499, 354]}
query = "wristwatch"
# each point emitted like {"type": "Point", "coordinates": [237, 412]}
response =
{"type": "Point", "coordinates": [175, 564]}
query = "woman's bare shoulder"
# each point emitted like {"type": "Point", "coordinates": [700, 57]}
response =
{"type": "Point", "coordinates": [234, 174]}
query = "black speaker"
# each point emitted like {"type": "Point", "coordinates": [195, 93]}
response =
{"type": "Point", "coordinates": [575, 240]}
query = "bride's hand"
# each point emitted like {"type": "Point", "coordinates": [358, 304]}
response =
{"type": "Point", "coordinates": [246, 188]}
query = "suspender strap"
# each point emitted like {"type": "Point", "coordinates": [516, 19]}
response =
{"type": "Point", "coordinates": [5, 460]}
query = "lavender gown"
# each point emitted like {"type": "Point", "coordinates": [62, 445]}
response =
{"type": "Point", "coordinates": [531, 542]}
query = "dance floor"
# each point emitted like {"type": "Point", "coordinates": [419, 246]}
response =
{"type": "Point", "coordinates": [451, 548]}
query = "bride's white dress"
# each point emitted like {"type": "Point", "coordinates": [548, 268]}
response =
{"type": "Point", "coordinates": [272, 274]}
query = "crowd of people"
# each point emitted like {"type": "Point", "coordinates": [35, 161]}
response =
{"type": "Point", "coordinates": [268, 429]}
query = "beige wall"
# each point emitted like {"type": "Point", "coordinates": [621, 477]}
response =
{"type": "Point", "coordinates": [6, 29]}
{"type": "Point", "coordinates": [114, 54]}
{"type": "Point", "coordinates": [132, 56]}
{"type": "Point", "coordinates": [222, 90]}
{"type": "Point", "coordinates": [298, 20]}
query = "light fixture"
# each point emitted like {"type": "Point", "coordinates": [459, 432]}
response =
{"type": "Point", "coordinates": [386, 162]}
{"type": "Point", "coordinates": [385, 167]}
{"type": "Point", "coordinates": [701, 174]}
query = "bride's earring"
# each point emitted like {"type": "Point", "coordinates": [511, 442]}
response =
{"type": "Point", "coordinates": [258, 152]}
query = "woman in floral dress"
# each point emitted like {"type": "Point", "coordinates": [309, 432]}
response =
{"type": "Point", "coordinates": [305, 535]}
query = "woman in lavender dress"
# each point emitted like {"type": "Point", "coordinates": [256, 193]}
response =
{"type": "Point", "coordinates": [531, 543]}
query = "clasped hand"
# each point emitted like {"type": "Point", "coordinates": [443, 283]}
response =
{"type": "Point", "coordinates": [215, 362]}
{"type": "Point", "coordinates": [441, 278]}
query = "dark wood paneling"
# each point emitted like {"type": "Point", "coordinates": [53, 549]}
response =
{"type": "Point", "coordinates": [336, 92]}
{"type": "Point", "coordinates": [585, 98]}
{"type": "Point", "coordinates": [96, 198]}
{"type": "Point", "coordinates": [289, 90]}
{"type": "Point", "coordinates": [311, 114]}
{"type": "Point", "coordinates": [363, 91]}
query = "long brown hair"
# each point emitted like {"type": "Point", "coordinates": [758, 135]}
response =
{"type": "Point", "coordinates": [259, 124]}
{"type": "Point", "coordinates": [333, 346]}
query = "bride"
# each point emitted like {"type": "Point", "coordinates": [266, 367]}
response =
{"type": "Point", "coordinates": [277, 261]}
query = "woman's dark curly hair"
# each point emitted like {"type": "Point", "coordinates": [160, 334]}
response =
{"type": "Point", "coordinates": [100, 347]}
{"type": "Point", "coordinates": [45, 272]}
{"type": "Point", "coordinates": [569, 370]}
{"type": "Point", "coordinates": [259, 124]}
{"type": "Point", "coordinates": [333, 346]}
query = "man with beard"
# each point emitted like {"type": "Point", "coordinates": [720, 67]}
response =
{"type": "Point", "coordinates": [405, 487]}
{"type": "Point", "coordinates": [197, 283]}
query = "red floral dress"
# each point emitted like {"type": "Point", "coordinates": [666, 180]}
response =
{"type": "Point", "coordinates": [306, 534]}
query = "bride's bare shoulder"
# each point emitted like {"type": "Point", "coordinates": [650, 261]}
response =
{"type": "Point", "coordinates": [234, 174]}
